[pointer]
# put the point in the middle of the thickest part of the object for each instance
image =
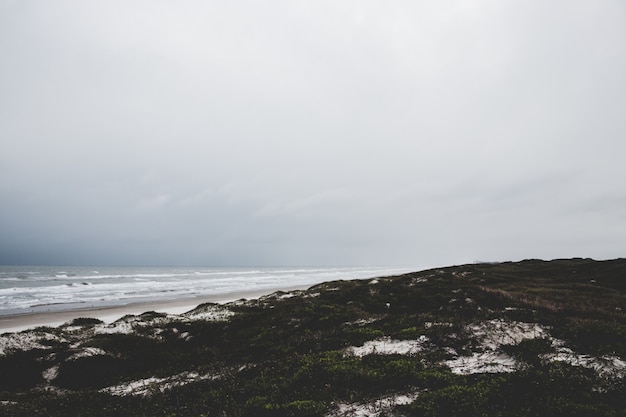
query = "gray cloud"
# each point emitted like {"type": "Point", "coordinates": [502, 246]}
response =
{"type": "Point", "coordinates": [311, 132]}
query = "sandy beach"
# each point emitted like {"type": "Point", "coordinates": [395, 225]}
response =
{"type": "Point", "coordinates": [19, 322]}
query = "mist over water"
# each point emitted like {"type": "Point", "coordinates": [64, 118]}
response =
{"type": "Point", "coordinates": [30, 289]}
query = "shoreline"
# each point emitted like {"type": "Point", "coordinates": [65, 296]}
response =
{"type": "Point", "coordinates": [18, 322]}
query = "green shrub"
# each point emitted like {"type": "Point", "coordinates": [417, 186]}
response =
{"type": "Point", "coordinates": [92, 372]}
{"type": "Point", "coordinates": [85, 321]}
{"type": "Point", "coordinates": [21, 370]}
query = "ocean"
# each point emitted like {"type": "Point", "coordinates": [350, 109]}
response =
{"type": "Point", "coordinates": [35, 289]}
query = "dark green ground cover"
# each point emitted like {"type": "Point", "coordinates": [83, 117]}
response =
{"type": "Point", "coordinates": [286, 356]}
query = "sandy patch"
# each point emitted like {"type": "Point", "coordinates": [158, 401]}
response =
{"type": "Point", "coordinates": [147, 386]}
{"type": "Point", "coordinates": [389, 347]}
{"type": "Point", "coordinates": [376, 408]}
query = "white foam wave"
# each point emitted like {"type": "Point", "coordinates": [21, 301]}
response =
{"type": "Point", "coordinates": [117, 285]}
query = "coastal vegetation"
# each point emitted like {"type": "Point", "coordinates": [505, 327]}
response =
{"type": "Point", "coordinates": [530, 338]}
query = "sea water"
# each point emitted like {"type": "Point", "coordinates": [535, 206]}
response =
{"type": "Point", "coordinates": [33, 289]}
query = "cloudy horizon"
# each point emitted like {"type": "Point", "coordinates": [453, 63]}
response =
{"type": "Point", "coordinates": [311, 133]}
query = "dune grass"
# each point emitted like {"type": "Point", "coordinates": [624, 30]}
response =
{"type": "Point", "coordinates": [291, 354]}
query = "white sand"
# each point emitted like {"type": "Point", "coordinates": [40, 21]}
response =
{"type": "Point", "coordinates": [380, 407]}
{"type": "Point", "coordinates": [389, 347]}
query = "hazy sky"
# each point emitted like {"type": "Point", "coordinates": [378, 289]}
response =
{"type": "Point", "coordinates": [311, 132]}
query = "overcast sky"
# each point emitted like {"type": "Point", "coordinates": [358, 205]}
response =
{"type": "Point", "coordinates": [311, 132]}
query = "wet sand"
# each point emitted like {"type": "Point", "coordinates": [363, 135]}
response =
{"type": "Point", "coordinates": [19, 322]}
